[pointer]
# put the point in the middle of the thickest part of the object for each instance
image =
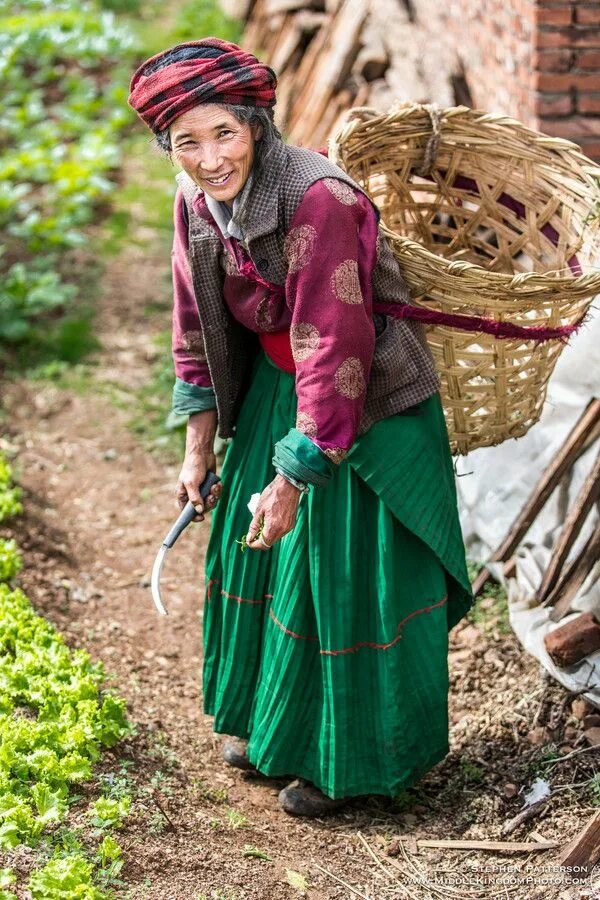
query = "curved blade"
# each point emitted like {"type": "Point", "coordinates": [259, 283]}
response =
{"type": "Point", "coordinates": [155, 580]}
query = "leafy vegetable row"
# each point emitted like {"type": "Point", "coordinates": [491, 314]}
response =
{"type": "Point", "coordinates": [55, 718]}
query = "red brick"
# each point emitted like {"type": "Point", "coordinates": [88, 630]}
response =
{"type": "Point", "coordinates": [553, 60]}
{"type": "Point", "coordinates": [588, 59]}
{"type": "Point", "coordinates": [559, 15]}
{"type": "Point", "coordinates": [566, 37]}
{"type": "Point", "coordinates": [586, 37]}
{"type": "Point", "coordinates": [590, 148]}
{"type": "Point", "coordinates": [587, 15]}
{"type": "Point", "coordinates": [589, 103]}
{"type": "Point", "coordinates": [554, 104]}
{"type": "Point", "coordinates": [556, 83]}
{"type": "Point", "coordinates": [550, 39]}
{"type": "Point", "coordinates": [574, 128]}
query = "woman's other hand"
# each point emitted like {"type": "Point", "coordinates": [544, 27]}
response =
{"type": "Point", "coordinates": [276, 511]}
{"type": "Point", "coordinates": [199, 459]}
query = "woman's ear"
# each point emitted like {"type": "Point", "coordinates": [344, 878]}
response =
{"type": "Point", "coordinates": [257, 131]}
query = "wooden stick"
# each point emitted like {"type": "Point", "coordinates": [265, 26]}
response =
{"type": "Point", "coordinates": [529, 813]}
{"type": "Point", "coordinates": [566, 589]}
{"type": "Point", "coordinates": [588, 495]}
{"type": "Point", "coordinates": [584, 849]}
{"type": "Point", "coordinates": [521, 846]}
{"type": "Point", "coordinates": [162, 810]}
{"type": "Point", "coordinates": [584, 433]}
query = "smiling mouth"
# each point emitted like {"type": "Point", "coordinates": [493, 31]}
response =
{"type": "Point", "coordinates": [218, 181]}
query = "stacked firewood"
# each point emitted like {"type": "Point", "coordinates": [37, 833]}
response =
{"type": "Point", "coordinates": [560, 584]}
{"type": "Point", "coordinates": [330, 55]}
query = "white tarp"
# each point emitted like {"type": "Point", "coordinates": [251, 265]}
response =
{"type": "Point", "coordinates": [494, 483]}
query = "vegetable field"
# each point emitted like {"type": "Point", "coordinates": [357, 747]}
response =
{"type": "Point", "coordinates": [63, 109]}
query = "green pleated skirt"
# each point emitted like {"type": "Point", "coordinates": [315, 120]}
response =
{"type": "Point", "coordinates": [329, 653]}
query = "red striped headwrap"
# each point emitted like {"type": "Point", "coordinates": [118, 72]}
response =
{"type": "Point", "coordinates": [206, 71]}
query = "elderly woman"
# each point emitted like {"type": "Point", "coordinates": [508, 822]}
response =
{"type": "Point", "coordinates": [325, 643]}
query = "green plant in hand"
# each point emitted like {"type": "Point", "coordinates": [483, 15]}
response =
{"type": "Point", "coordinates": [243, 541]}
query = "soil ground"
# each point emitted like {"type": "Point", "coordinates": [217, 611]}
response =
{"type": "Point", "coordinates": [97, 504]}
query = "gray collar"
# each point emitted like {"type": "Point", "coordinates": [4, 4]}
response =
{"type": "Point", "coordinates": [225, 217]}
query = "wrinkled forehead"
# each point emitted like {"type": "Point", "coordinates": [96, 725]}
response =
{"type": "Point", "coordinates": [204, 119]}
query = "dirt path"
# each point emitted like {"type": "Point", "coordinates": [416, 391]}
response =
{"type": "Point", "coordinates": [97, 505]}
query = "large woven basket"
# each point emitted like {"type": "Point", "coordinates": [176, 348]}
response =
{"type": "Point", "coordinates": [495, 227]}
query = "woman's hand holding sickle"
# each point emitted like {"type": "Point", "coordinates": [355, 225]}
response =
{"type": "Point", "coordinates": [199, 459]}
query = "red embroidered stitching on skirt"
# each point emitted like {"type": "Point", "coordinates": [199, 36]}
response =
{"type": "Point", "coordinates": [233, 596]}
{"type": "Point", "coordinates": [300, 637]}
{"type": "Point", "coordinates": [371, 644]}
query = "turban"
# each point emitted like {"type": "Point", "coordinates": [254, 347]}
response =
{"type": "Point", "coordinates": [206, 71]}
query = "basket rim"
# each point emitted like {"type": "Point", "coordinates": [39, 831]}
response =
{"type": "Point", "coordinates": [356, 118]}
{"type": "Point", "coordinates": [364, 118]}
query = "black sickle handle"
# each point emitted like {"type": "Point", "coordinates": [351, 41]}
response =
{"type": "Point", "coordinates": [188, 512]}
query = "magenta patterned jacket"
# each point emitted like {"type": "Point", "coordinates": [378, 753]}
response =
{"type": "Point", "coordinates": [331, 249]}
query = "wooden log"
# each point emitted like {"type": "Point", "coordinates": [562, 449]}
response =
{"type": "Point", "coordinates": [287, 44]}
{"type": "Point", "coordinates": [581, 436]}
{"type": "Point", "coordinates": [341, 102]}
{"type": "Point", "coordinates": [565, 591]}
{"type": "Point", "coordinates": [584, 849]}
{"type": "Point", "coordinates": [237, 9]}
{"type": "Point", "coordinates": [252, 37]}
{"type": "Point", "coordinates": [307, 64]}
{"type": "Point", "coordinates": [285, 97]}
{"type": "Point", "coordinates": [373, 58]}
{"type": "Point", "coordinates": [573, 641]}
{"type": "Point", "coordinates": [309, 20]}
{"type": "Point", "coordinates": [287, 6]}
{"type": "Point", "coordinates": [586, 498]}
{"type": "Point", "coordinates": [288, 49]}
{"type": "Point", "coordinates": [342, 42]}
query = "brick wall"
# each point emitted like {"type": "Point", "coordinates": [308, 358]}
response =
{"type": "Point", "coordinates": [536, 60]}
{"type": "Point", "coordinates": [567, 71]}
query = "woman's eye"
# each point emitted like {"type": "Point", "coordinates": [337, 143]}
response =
{"type": "Point", "coordinates": [225, 131]}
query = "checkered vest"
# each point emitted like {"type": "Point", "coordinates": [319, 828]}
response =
{"type": "Point", "coordinates": [403, 371]}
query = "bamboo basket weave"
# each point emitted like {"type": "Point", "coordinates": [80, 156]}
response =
{"type": "Point", "coordinates": [489, 219]}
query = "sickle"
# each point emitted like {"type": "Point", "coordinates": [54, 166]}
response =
{"type": "Point", "coordinates": [186, 516]}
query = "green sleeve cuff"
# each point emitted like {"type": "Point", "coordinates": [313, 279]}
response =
{"type": "Point", "coordinates": [299, 457]}
{"type": "Point", "coordinates": [191, 398]}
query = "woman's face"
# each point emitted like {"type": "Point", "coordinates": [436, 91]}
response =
{"type": "Point", "coordinates": [215, 149]}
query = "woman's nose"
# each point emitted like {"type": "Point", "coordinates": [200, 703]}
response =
{"type": "Point", "coordinates": [210, 159]}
